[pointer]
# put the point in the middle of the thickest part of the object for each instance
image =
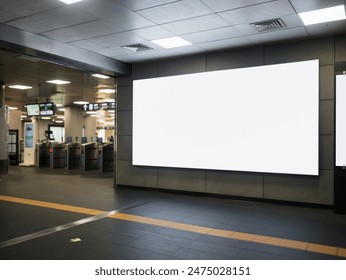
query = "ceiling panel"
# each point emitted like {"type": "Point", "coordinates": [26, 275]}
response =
{"type": "Point", "coordinates": [117, 39]}
{"type": "Point", "coordinates": [224, 5]}
{"type": "Point", "coordinates": [227, 43]}
{"type": "Point", "coordinates": [83, 31]}
{"type": "Point", "coordinates": [153, 32]}
{"type": "Point", "coordinates": [259, 12]}
{"type": "Point", "coordinates": [59, 18]}
{"type": "Point", "coordinates": [115, 14]}
{"type": "Point", "coordinates": [195, 24]}
{"type": "Point", "coordinates": [136, 5]}
{"type": "Point", "coordinates": [176, 11]}
{"type": "Point", "coordinates": [211, 35]}
{"type": "Point", "coordinates": [23, 8]}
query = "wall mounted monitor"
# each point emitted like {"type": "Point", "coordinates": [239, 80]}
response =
{"type": "Point", "coordinates": [256, 119]}
{"type": "Point", "coordinates": [32, 110]}
{"type": "Point", "coordinates": [46, 109]}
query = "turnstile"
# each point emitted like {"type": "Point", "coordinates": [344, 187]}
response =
{"type": "Point", "coordinates": [106, 155]}
{"type": "Point", "coordinates": [72, 155]}
{"type": "Point", "coordinates": [57, 155]}
{"type": "Point", "coordinates": [89, 156]}
{"type": "Point", "coordinates": [42, 154]}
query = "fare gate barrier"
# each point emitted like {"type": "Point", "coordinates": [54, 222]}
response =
{"type": "Point", "coordinates": [42, 154]}
{"type": "Point", "coordinates": [72, 155]}
{"type": "Point", "coordinates": [57, 155]}
{"type": "Point", "coordinates": [89, 156]}
{"type": "Point", "coordinates": [106, 155]}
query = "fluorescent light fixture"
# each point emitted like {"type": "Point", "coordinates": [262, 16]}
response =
{"type": "Point", "coordinates": [45, 118]}
{"type": "Point", "coordinates": [59, 121]}
{"type": "Point", "coordinates": [22, 87]}
{"type": "Point", "coordinates": [100, 76]}
{"type": "Point", "coordinates": [109, 100]}
{"type": "Point", "coordinates": [61, 109]}
{"type": "Point", "coordinates": [171, 42]}
{"type": "Point", "coordinates": [70, 1]}
{"type": "Point", "coordinates": [91, 113]}
{"type": "Point", "coordinates": [59, 105]}
{"type": "Point", "coordinates": [58, 82]}
{"type": "Point", "coordinates": [61, 117]}
{"type": "Point", "coordinates": [80, 102]}
{"type": "Point", "coordinates": [12, 108]}
{"type": "Point", "coordinates": [106, 90]}
{"type": "Point", "coordinates": [323, 15]}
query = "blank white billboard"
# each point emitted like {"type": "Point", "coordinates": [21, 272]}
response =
{"type": "Point", "coordinates": [340, 121]}
{"type": "Point", "coordinates": [258, 119]}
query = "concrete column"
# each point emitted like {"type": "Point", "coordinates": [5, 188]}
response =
{"type": "Point", "coordinates": [90, 127]}
{"type": "Point", "coordinates": [3, 132]}
{"type": "Point", "coordinates": [74, 123]}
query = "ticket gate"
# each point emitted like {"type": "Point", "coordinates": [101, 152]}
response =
{"type": "Point", "coordinates": [42, 154]}
{"type": "Point", "coordinates": [106, 155]}
{"type": "Point", "coordinates": [72, 155]}
{"type": "Point", "coordinates": [89, 156]}
{"type": "Point", "coordinates": [57, 155]}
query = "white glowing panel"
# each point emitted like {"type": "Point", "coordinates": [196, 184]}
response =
{"type": "Point", "coordinates": [340, 121]}
{"type": "Point", "coordinates": [258, 119]}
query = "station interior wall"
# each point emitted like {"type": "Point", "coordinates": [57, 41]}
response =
{"type": "Point", "coordinates": [292, 188]}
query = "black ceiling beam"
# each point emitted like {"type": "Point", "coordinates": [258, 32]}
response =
{"type": "Point", "coordinates": [26, 43]}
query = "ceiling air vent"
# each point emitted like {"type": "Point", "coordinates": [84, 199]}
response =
{"type": "Point", "coordinates": [269, 25]}
{"type": "Point", "coordinates": [137, 47]}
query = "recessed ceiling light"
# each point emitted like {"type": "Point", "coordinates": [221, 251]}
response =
{"type": "Point", "coordinates": [171, 42]}
{"type": "Point", "coordinates": [20, 87]}
{"type": "Point", "coordinates": [107, 90]}
{"type": "Point", "coordinates": [81, 102]}
{"type": "Point", "coordinates": [59, 105]}
{"type": "Point", "coordinates": [60, 117]}
{"type": "Point", "coordinates": [100, 76]}
{"type": "Point", "coordinates": [70, 1]}
{"type": "Point", "coordinates": [109, 100]}
{"type": "Point", "coordinates": [58, 82]}
{"type": "Point", "coordinates": [62, 109]}
{"type": "Point", "coordinates": [12, 108]}
{"type": "Point", "coordinates": [323, 15]}
{"type": "Point", "coordinates": [45, 118]}
{"type": "Point", "coordinates": [59, 121]}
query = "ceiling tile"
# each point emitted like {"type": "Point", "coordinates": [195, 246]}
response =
{"type": "Point", "coordinates": [224, 5]}
{"type": "Point", "coordinates": [23, 8]}
{"type": "Point", "coordinates": [115, 14]}
{"type": "Point", "coordinates": [114, 51]}
{"type": "Point", "coordinates": [298, 33]}
{"type": "Point", "coordinates": [82, 31]}
{"type": "Point", "coordinates": [324, 29]}
{"type": "Point", "coordinates": [55, 19]}
{"type": "Point", "coordinates": [136, 5]}
{"type": "Point", "coordinates": [87, 45]}
{"type": "Point", "coordinates": [176, 11]}
{"type": "Point", "coordinates": [259, 12]}
{"type": "Point", "coordinates": [29, 25]}
{"type": "Point", "coordinates": [153, 32]}
{"type": "Point", "coordinates": [303, 6]}
{"type": "Point", "coordinates": [195, 24]}
{"type": "Point", "coordinates": [226, 44]}
{"type": "Point", "coordinates": [211, 35]}
{"type": "Point", "coordinates": [117, 39]}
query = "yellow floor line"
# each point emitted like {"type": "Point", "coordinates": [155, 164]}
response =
{"type": "Point", "coordinates": [249, 237]}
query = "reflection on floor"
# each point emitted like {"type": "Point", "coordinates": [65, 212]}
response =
{"type": "Point", "coordinates": [58, 214]}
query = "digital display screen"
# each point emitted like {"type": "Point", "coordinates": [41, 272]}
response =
{"type": "Point", "coordinates": [256, 119]}
{"type": "Point", "coordinates": [32, 110]}
{"type": "Point", "coordinates": [46, 109]}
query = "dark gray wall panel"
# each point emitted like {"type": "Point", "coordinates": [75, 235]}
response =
{"type": "Point", "coordinates": [124, 149]}
{"type": "Point", "coordinates": [234, 183]}
{"type": "Point", "coordinates": [124, 98]}
{"type": "Point", "coordinates": [235, 59]}
{"type": "Point", "coordinates": [327, 117]}
{"type": "Point", "coordinates": [181, 179]}
{"type": "Point", "coordinates": [145, 70]}
{"type": "Point", "coordinates": [327, 152]}
{"type": "Point", "coordinates": [340, 47]}
{"type": "Point", "coordinates": [306, 189]}
{"type": "Point", "coordinates": [185, 65]}
{"type": "Point", "coordinates": [124, 123]}
{"type": "Point", "coordinates": [127, 174]}
{"type": "Point", "coordinates": [322, 49]}
{"type": "Point", "coordinates": [327, 82]}
{"type": "Point", "coordinates": [124, 81]}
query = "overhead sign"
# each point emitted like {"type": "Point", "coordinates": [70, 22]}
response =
{"type": "Point", "coordinates": [99, 106]}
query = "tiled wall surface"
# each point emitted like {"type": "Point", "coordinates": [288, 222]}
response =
{"type": "Point", "coordinates": [309, 189]}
